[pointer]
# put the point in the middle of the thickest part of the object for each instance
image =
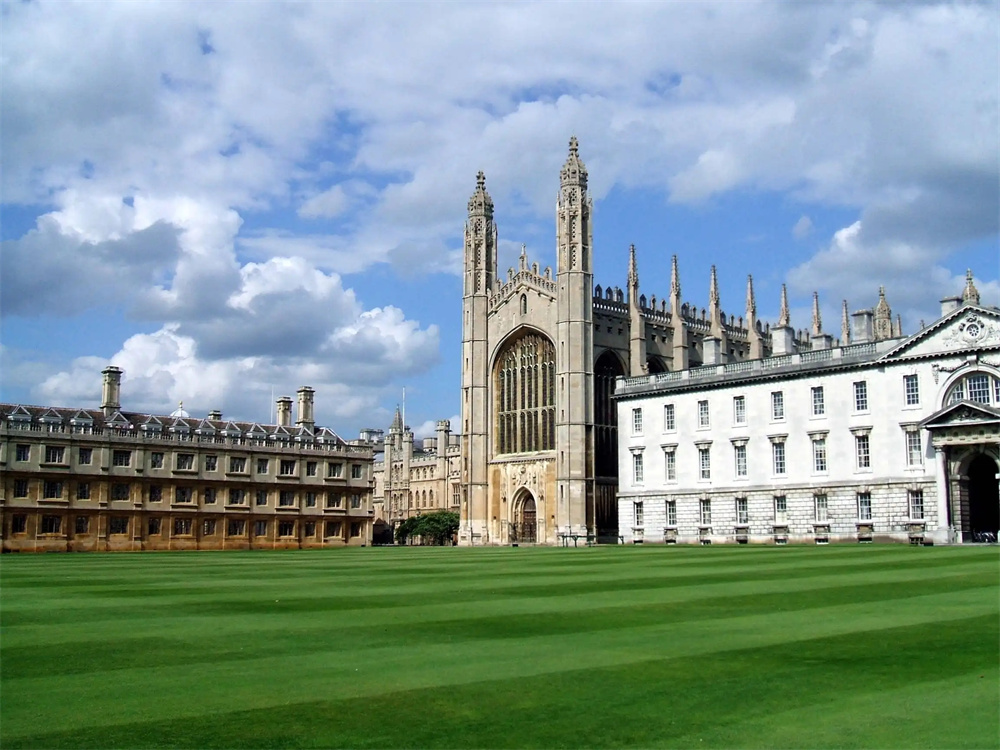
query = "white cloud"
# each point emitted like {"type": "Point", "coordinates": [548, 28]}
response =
{"type": "Point", "coordinates": [803, 228]}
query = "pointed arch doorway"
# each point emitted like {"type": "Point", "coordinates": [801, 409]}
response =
{"type": "Point", "coordinates": [525, 529]}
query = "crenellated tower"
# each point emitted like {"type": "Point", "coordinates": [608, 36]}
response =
{"type": "Point", "coordinates": [574, 348]}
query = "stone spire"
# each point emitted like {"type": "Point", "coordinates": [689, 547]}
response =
{"type": "Point", "coordinates": [882, 317]}
{"type": "Point", "coordinates": [753, 335]}
{"type": "Point", "coordinates": [970, 295]}
{"type": "Point", "coordinates": [817, 321]}
{"type": "Point", "coordinates": [637, 323]}
{"type": "Point", "coordinates": [897, 332]}
{"type": "Point", "coordinates": [716, 345]}
{"type": "Point", "coordinates": [397, 422]}
{"type": "Point", "coordinates": [679, 344]}
{"type": "Point", "coordinates": [845, 326]}
{"type": "Point", "coordinates": [713, 289]}
{"type": "Point", "coordinates": [784, 318]}
{"type": "Point", "coordinates": [574, 172]}
{"type": "Point", "coordinates": [633, 271]}
{"type": "Point", "coordinates": [675, 279]}
{"type": "Point", "coordinates": [480, 241]}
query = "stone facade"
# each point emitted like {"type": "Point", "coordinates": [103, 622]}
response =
{"type": "Point", "coordinates": [105, 480]}
{"type": "Point", "coordinates": [886, 438]}
{"type": "Point", "coordinates": [541, 352]}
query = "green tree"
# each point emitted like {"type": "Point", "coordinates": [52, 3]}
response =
{"type": "Point", "coordinates": [406, 529]}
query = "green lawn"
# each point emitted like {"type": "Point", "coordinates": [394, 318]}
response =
{"type": "Point", "coordinates": [842, 646]}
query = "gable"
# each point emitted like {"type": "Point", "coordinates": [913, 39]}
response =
{"type": "Point", "coordinates": [962, 413]}
{"type": "Point", "coordinates": [968, 328]}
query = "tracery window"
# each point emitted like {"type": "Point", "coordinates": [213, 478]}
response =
{"type": "Point", "coordinates": [525, 395]}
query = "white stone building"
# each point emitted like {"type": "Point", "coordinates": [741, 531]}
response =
{"type": "Point", "coordinates": [883, 438]}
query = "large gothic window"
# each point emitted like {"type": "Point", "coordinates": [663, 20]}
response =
{"type": "Point", "coordinates": [606, 372]}
{"type": "Point", "coordinates": [525, 395]}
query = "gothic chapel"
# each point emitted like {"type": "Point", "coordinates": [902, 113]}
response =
{"type": "Point", "coordinates": [540, 355]}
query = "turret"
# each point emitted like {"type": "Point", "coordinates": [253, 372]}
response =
{"type": "Point", "coordinates": [111, 392]}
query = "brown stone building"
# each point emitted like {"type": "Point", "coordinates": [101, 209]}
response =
{"type": "Point", "coordinates": [102, 480]}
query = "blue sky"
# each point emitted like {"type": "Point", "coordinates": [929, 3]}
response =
{"type": "Point", "coordinates": [233, 200]}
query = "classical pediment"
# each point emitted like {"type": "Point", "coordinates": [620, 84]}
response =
{"type": "Point", "coordinates": [969, 328]}
{"type": "Point", "coordinates": [962, 414]}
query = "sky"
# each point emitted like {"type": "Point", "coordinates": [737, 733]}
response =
{"type": "Point", "coordinates": [232, 200]}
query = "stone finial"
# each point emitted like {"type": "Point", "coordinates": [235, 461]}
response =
{"type": "Point", "coordinates": [845, 326]}
{"type": "Point", "coordinates": [751, 302]}
{"type": "Point", "coordinates": [397, 421]}
{"type": "Point", "coordinates": [675, 279]}
{"type": "Point", "coordinates": [898, 330]}
{"type": "Point", "coordinates": [970, 295]}
{"type": "Point", "coordinates": [713, 289]}
{"type": "Point", "coordinates": [817, 321]}
{"type": "Point", "coordinates": [784, 317]}
{"type": "Point", "coordinates": [633, 270]}
{"type": "Point", "coordinates": [480, 203]}
{"type": "Point", "coordinates": [523, 260]}
{"type": "Point", "coordinates": [574, 170]}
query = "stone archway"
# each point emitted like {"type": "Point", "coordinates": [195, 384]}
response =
{"type": "Point", "coordinates": [982, 495]}
{"type": "Point", "coordinates": [525, 528]}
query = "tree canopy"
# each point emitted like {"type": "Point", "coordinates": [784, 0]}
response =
{"type": "Point", "coordinates": [433, 528]}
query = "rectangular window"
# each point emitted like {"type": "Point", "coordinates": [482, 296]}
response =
{"type": "Point", "coordinates": [182, 527]}
{"type": "Point", "coordinates": [670, 461]}
{"type": "Point", "coordinates": [185, 461]}
{"type": "Point", "coordinates": [208, 527]}
{"type": "Point", "coordinates": [741, 460]}
{"type": "Point", "coordinates": [911, 390]}
{"type": "Point", "coordinates": [668, 418]}
{"type": "Point", "coordinates": [861, 396]}
{"type": "Point", "coordinates": [22, 452]}
{"type": "Point", "coordinates": [916, 498]}
{"type": "Point", "coordinates": [20, 488]}
{"type": "Point", "coordinates": [637, 513]}
{"type": "Point", "coordinates": [704, 463]}
{"type": "Point", "coordinates": [636, 468]}
{"type": "Point", "coordinates": [237, 497]}
{"type": "Point", "coordinates": [118, 525]}
{"type": "Point", "coordinates": [739, 410]}
{"type": "Point", "coordinates": [236, 528]}
{"type": "Point", "coordinates": [705, 512]}
{"type": "Point", "coordinates": [82, 525]}
{"type": "Point", "coordinates": [818, 401]}
{"type": "Point", "coordinates": [286, 528]}
{"type": "Point", "coordinates": [54, 454]}
{"type": "Point", "coordinates": [914, 449]}
{"type": "Point", "coordinates": [19, 524]}
{"type": "Point", "coordinates": [703, 418]}
{"type": "Point", "coordinates": [286, 498]}
{"type": "Point", "coordinates": [310, 499]}
{"type": "Point", "coordinates": [310, 529]}
{"type": "Point", "coordinates": [211, 463]}
{"type": "Point", "coordinates": [260, 528]}
{"type": "Point", "coordinates": [156, 460]}
{"type": "Point", "coordinates": [85, 456]}
{"type": "Point", "coordinates": [862, 449]}
{"type": "Point", "coordinates": [355, 500]}
{"type": "Point", "coordinates": [819, 455]}
{"type": "Point", "coordinates": [355, 529]}
{"type": "Point", "coordinates": [671, 512]}
{"type": "Point", "coordinates": [261, 497]}
{"type": "Point", "coordinates": [287, 467]}
{"type": "Point", "coordinates": [183, 495]}
{"type": "Point", "coordinates": [121, 491]}
{"type": "Point", "coordinates": [237, 465]}
{"type": "Point", "coordinates": [332, 500]}
{"type": "Point", "coordinates": [311, 468]}
{"type": "Point", "coordinates": [155, 493]}
{"type": "Point", "coordinates": [334, 469]}
{"type": "Point", "coordinates": [780, 509]}
{"type": "Point", "coordinates": [777, 405]}
{"type": "Point", "coordinates": [820, 508]}
{"type": "Point", "coordinates": [865, 506]}
{"type": "Point", "coordinates": [979, 388]}
{"type": "Point", "coordinates": [52, 490]}
{"type": "Point", "coordinates": [637, 421]}
{"type": "Point", "coordinates": [121, 458]}
{"type": "Point", "coordinates": [83, 491]}
{"type": "Point", "coordinates": [154, 527]}
{"type": "Point", "coordinates": [333, 528]}
{"type": "Point", "coordinates": [778, 456]}
{"type": "Point", "coordinates": [742, 511]}
{"type": "Point", "coordinates": [355, 471]}
{"type": "Point", "coordinates": [51, 524]}
{"type": "Point", "coordinates": [210, 495]}
{"type": "Point", "coordinates": [262, 466]}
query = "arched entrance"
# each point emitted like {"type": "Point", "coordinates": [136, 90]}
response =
{"type": "Point", "coordinates": [983, 495]}
{"type": "Point", "coordinates": [525, 527]}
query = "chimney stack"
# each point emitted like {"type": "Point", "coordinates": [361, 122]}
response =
{"type": "Point", "coordinates": [111, 393]}
{"type": "Point", "coordinates": [306, 418]}
{"type": "Point", "coordinates": [215, 415]}
{"type": "Point", "coordinates": [285, 411]}
{"type": "Point", "coordinates": [864, 329]}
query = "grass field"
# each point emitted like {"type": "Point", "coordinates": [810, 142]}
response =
{"type": "Point", "coordinates": [852, 646]}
